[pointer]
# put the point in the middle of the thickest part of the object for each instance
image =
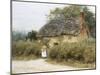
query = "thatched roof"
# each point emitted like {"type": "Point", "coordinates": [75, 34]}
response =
{"type": "Point", "coordinates": [58, 27]}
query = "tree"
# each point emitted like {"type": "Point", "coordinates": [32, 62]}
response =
{"type": "Point", "coordinates": [31, 35]}
{"type": "Point", "coordinates": [66, 12]}
{"type": "Point", "coordinates": [90, 21]}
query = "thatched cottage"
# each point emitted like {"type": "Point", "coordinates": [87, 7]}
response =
{"type": "Point", "coordinates": [59, 30]}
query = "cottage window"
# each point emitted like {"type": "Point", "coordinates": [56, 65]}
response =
{"type": "Point", "coordinates": [55, 43]}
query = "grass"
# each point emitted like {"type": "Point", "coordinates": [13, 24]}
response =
{"type": "Point", "coordinates": [31, 57]}
{"type": "Point", "coordinates": [71, 63]}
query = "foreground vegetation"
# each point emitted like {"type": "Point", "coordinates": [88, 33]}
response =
{"type": "Point", "coordinates": [26, 49]}
{"type": "Point", "coordinates": [81, 54]}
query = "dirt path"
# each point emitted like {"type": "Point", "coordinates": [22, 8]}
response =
{"type": "Point", "coordinates": [39, 65]}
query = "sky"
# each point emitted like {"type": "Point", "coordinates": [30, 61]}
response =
{"type": "Point", "coordinates": [32, 16]}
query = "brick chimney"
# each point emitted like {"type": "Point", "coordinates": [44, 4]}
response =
{"type": "Point", "coordinates": [83, 27]}
{"type": "Point", "coordinates": [81, 20]}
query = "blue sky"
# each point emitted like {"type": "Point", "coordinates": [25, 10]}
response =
{"type": "Point", "coordinates": [32, 16]}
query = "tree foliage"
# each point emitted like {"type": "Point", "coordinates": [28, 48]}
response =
{"type": "Point", "coordinates": [66, 12]}
{"type": "Point", "coordinates": [31, 35]}
{"type": "Point", "coordinates": [90, 21]}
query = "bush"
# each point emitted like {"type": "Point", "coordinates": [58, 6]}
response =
{"type": "Point", "coordinates": [89, 55]}
{"type": "Point", "coordinates": [26, 48]}
{"type": "Point", "coordinates": [81, 51]}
